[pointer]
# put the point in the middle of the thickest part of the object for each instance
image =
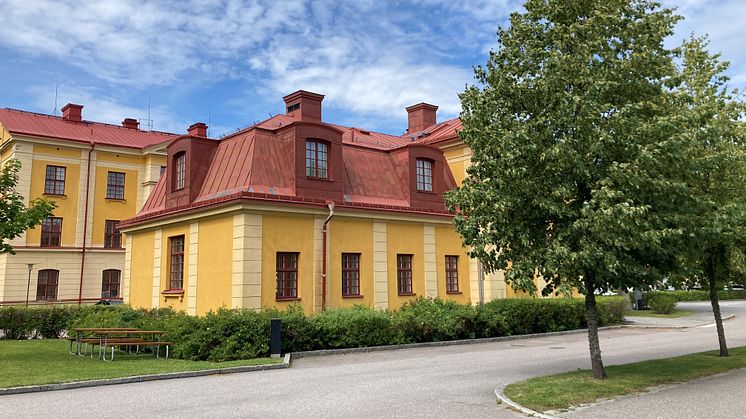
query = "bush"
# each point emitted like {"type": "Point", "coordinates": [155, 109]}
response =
{"type": "Point", "coordinates": [229, 334]}
{"type": "Point", "coordinates": [662, 303]}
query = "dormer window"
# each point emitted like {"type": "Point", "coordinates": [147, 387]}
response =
{"type": "Point", "coordinates": [424, 175]}
{"type": "Point", "coordinates": [317, 159]}
{"type": "Point", "coordinates": [293, 108]}
{"type": "Point", "coordinates": [180, 171]}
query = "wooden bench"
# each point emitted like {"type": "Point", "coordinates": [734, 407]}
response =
{"type": "Point", "coordinates": [117, 343]}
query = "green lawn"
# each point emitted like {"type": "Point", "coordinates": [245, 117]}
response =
{"type": "Point", "coordinates": [46, 361]}
{"type": "Point", "coordinates": [651, 313]}
{"type": "Point", "coordinates": [562, 391]}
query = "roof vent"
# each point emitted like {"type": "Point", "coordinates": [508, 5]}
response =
{"type": "Point", "coordinates": [131, 123]}
{"type": "Point", "coordinates": [72, 112]}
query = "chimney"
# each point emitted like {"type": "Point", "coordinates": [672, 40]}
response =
{"type": "Point", "coordinates": [131, 123]}
{"type": "Point", "coordinates": [421, 116]}
{"type": "Point", "coordinates": [198, 130]}
{"type": "Point", "coordinates": [72, 112]}
{"type": "Point", "coordinates": [304, 106]}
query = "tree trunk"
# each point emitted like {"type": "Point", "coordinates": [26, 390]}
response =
{"type": "Point", "coordinates": [597, 364]}
{"type": "Point", "coordinates": [712, 272]}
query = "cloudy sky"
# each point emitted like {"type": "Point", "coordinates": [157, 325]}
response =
{"type": "Point", "coordinates": [230, 62]}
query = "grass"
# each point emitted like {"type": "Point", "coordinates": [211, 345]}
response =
{"type": "Point", "coordinates": [46, 361]}
{"type": "Point", "coordinates": [562, 391]}
{"type": "Point", "coordinates": [651, 313]}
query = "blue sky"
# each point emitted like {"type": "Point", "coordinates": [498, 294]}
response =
{"type": "Point", "coordinates": [230, 62]}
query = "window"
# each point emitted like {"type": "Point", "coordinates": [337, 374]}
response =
{"type": "Point", "coordinates": [404, 274]}
{"type": "Point", "coordinates": [294, 107]}
{"type": "Point", "coordinates": [51, 232]}
{"type": "Point", "coordinates": [451, 273]}
{"type": "Point", "coordinates": [112, 236]}
{"type": "Point", "coordinates": [316, 159]}
{"type": "Point", "coordinates": [54, 183]}
{"type": "Point", "coordinates": [163, 170]}
{"type": "Point", "coordinates": [180, 171]}
{"type": "Point", "coordinates": [46, 286]}
{"type": "Point", "coordinates": [287, 275]}
{"type": "Point", "coordinates": [110, 283]}
{"type": "Point", "coordinates": [424, 175]}
{"type": "Point", "coordinates": [115, 185]}
{"type": "Point", "coordinates": [350, 274]}
{"type": "Point", "coordinates": [176, 279]}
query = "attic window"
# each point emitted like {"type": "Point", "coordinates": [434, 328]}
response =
{"type": "Point", "coordinates": [317, 159]}
{"type": "Point", "coordinates": [180, 171]}
{"type": "Point", "coordinates": [294, 107]}
{"type": "Point", "coordinates": [424, 175]}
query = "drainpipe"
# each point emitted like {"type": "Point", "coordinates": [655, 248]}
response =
{"type": "Point", "coordinates": [85, 223]}
{"type": "Point", "coordinates": [329, 204]}
{"type": "Point", "coordinates": [480, 269]}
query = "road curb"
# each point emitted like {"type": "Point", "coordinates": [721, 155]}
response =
{"type": "Point", "coordinates": [502, 398]}
{"type": "Point", "coordinates": [662, 326]}
{"type": "Point", "coordinates": [142, 378]}
{"type": "Point", "coordinates": [328, 352]}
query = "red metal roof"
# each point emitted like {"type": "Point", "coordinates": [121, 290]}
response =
{"type": "Point", "coordinates": [48, 126]}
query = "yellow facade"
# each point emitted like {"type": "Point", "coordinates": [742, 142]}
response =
{"type": "Point", "coordinates": [67, 205]}
{"type": "Point", "coordinates": [77, 279]}
{"type": "Point", "coordinates": [141, 280]}
{"type": "Point", "coordinates": [405, 239]}
{"type": "Point", "coordinates": [448, 243]}
{"type": "Point", "coordinates": [350, 235]}
{"type": "Point", "coordinates": [214, 265]}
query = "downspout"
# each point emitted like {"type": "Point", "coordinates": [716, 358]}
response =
{"type": "Point", "coordinates": [85, 222]}
{"type": "Point", "coordinates": [329, 204]}
{"type": "Point", "coordinates": [480, 269]}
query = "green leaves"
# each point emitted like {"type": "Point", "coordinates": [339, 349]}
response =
{"type": "Point", "coordinates": [15, 217]}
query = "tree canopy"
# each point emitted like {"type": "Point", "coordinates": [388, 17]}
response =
{"type": "Point", "coordinates": [15, 216]}
{"type": "Point", "coordinates": [577, 150]}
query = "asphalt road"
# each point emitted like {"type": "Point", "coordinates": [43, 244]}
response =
{"type": "Point", "coordinates": [453, 381]}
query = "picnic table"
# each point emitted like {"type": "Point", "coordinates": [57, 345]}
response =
{"type": "Point", "coordinates": [117, 337]}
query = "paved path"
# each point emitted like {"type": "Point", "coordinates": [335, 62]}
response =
{"type": "Point", "coordinates": [453, 381]}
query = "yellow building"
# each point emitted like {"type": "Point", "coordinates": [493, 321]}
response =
{"type": "Point", "coordinates": [297, 210]}
{"type": "Point", "coordinates": [98, 174]}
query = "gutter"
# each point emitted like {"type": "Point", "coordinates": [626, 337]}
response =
{"type": "Point", "coordinates": [329, 204]}
{"type": "Point", "coordinates": [85, 222]}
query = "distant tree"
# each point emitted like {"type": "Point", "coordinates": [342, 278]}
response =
{"type": "Point", "coordinates": [715, 221]}
{"type": "Point", "coordinates": [15, 217]}
{"type": "Point", "coordinates": [575, 152]}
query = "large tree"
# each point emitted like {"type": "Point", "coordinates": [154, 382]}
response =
{"type": "Point", "coordinates": [15, 216]}
{"type": "Point", "coordinates": [575, 154]}
{"type": "Point", "coordinates": [716, 215]}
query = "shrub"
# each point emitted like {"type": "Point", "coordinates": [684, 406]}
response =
{"type": "Point", "coordinates": [352, 327]}
{"type": "Point", "coordinates": [426, 320]}
{"type": "Point", "coordinates": [662, 303]}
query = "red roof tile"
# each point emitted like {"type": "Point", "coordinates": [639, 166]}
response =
{"type": "Point", "coordinates": [48, 126]}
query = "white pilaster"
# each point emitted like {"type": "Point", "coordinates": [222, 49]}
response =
{"type": "Point", "coordinates": [380, 267]}
{"type": "Point", "coordinates": [246, 283]}
{"type": "Point", "coordinates": [127, 275]}
{"type": "Point", "coordinates": [156, 300]}
{"type": "Point", "coordinates": [193, 268]}
{"type": "Point", "coordinates": [431, 274]}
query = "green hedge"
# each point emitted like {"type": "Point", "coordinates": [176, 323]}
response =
{"type": "Point", "coordinates": [239, 334]}
{"type": "Point", "coordinates": [696, 295]}
{"type": "Point", "coordinates": [662, 303]}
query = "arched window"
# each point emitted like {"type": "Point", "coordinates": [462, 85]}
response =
{"type": "Point", "coordinates": [46, 285]}
{"type": "Point", "coordinates": [317, 159]}
{"type": "Point", "coordinates": [110, 283]}
{"type": "Point", "coordinates": [180, 171]}
{"type": "Point", "coordinates": [424, 175]}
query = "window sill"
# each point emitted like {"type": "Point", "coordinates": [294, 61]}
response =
{"type": "Point", "coordinates": [113, 248]}
{"type": "Point", "coordinates": [407, 294]}
{"type": "Point", "coordinates": [122, 200]}
{"type": "Point", "coordinates": [172, 293]}
{"type": "Point", "coordinates": [427, 192]}
{"type": "Point", "coordinates": [323, 179]}
{"type": "Point", "coordinates": [287, 298]}
{"type": "Point", "coordinates": [50, 247]}
{"type": "Point", "coordinates": [454, 292]}
{"type": "Point", "coordinates": [54, 195]}
{"type": "Point", "coordinates": [353, 296]}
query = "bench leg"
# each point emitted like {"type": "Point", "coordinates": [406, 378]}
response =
{"type": "Point", "coordinates": [166, 351]}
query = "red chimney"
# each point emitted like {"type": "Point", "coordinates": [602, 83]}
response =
{"type": "Point", "coordinates": [421, 116]}
{"type": "Point", "coordinates": [198, 130]}
{"type": "Point", "coordinates": [72, 112]}
{"type": "Point", "coordinates": [131, 123]}
{"type": "Point", "coordinates": [304, 106]}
